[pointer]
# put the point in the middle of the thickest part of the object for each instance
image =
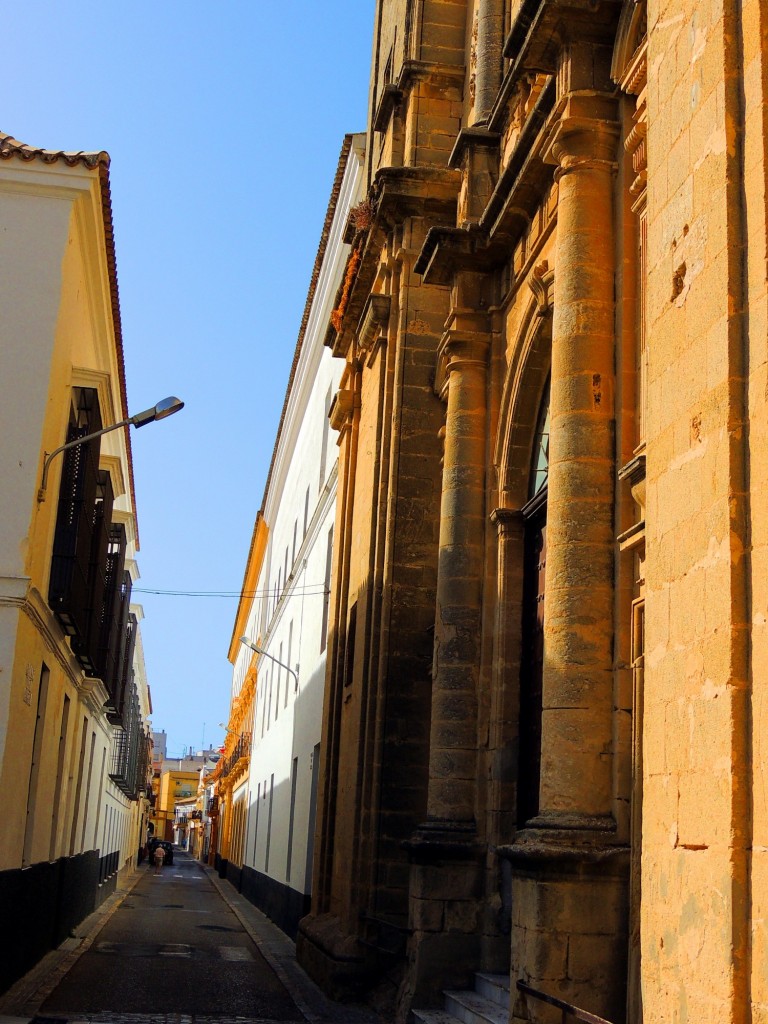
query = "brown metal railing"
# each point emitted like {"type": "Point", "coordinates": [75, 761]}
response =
{"type": "Point", "coordinates": [570, 1012]}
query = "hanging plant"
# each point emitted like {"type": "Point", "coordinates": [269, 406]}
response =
{"type": "Point", "coordinates": [362, 215]}
{"type": "Point", "coordinates": [337, 316]}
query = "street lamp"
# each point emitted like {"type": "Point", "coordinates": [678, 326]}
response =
{"type": "Point", "coordinates": [260, 650]}
{"type": "Point", "coordinates": [240, 735]}
{"type": "Point", "coordinates": [166, 407]}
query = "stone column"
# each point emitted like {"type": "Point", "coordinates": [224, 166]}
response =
{"type": "Point", "coordinates": [569, 869]}
{"type": "Point", "coordinates": [453, 733]}
{"type": "Point", "coordinates": [446, 882]}
{"type": "Point", "coordinates": [578, 627]}
{"type": "Point", "coordinates": [490, 42]}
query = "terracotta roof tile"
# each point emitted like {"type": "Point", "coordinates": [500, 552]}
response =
{"type": "Point", "coordinates": [12, 147]}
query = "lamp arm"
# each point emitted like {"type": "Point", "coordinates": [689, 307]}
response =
{"type": "Point", "coordinates": [260, 650]}
{"type": "Point", "coordinates": [73, 444]}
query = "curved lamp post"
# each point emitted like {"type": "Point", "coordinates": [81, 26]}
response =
{"type": "Point", "coordinates": [166, 407]}
{"type": "Point", "coordinates": [260, 650]}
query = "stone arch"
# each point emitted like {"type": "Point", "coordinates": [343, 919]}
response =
{"type": "Point", "coordinates": [526, 376]}
{"type": "Point", "coordinates": [630, 36]}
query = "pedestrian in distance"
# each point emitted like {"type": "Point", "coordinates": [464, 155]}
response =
{"type": "Point", "coordinates": [159, 858]}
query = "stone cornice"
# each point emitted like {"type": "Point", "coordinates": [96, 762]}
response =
{"type": "Point", "coordinates": [505, 518]}
{"type": "Point", "coordinates": [13, 591]}
{"type": "Point", "coordinates": [472, 138]}
{"type": "Point", "coordinates": [448, 250]}
{"type": "Point", "coordinates": [414, 71]}
{"type": "Point", "coordinates": [509, 207]}
{"type": "Point", "coordinates": [342, 408]}
{"type": "Point", "coordinates": [396, 193]}
{"type": "Point", "coordinates": [374, 319]}
{"type": "Point", "coordinates": [507, 214]}
{"type": "Point", "coordinates": [390, 99]}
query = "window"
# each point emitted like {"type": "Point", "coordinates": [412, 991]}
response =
{"type": "Point", "coordinates": [291, 816]}
{"type": "Point", "coordinates": [306, 512]}
{"type": "Point", "coordinates": [288, 659]}
{"type": "Point", "coordinates": [324, 444]}
{"type": "Point", "coordinates": [540, 467]}
{"type": "Point", "coordinates": [532, 652]}
{"type": "Point", "coordinates": [73, 547]}
{"type": "Point", "coordinates": [269, 820]}
{"type": "Point", "coordinates": [34, 768]}
{"type": "Point", "coordinates": [326, 591]}
{"type": "Point", "coordinates": [279, 679]}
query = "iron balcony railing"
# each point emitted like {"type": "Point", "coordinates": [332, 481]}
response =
{"type": "Point", "coordinates": [570, 1012]}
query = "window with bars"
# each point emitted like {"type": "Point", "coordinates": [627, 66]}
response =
{"type": "Point", "coordinates": [73, 544]}
{"type": "Point", "coordinates": [90, 589]}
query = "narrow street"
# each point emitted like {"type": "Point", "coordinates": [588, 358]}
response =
{"type": "Point", "coordinates": [175, 952]}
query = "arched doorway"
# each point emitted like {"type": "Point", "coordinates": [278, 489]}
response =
{"type": "Point", "coordinates": [532, 632]}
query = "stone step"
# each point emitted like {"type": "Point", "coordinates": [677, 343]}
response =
{"type": "Point", "coordinates": [472, 1008]}
{"type": "Point", "coordinates": [433, 1017]}
{"type": "Point", "coordinates": [494, 987]}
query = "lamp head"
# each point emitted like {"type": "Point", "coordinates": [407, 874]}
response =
{"type": "Point", "coordinates": [165, 407]}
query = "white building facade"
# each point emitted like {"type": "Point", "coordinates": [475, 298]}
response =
{"type": "Point", "coordinates": [272, 810]}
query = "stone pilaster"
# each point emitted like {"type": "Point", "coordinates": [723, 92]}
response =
{"type": "Point", "coordinates": [453, 735]}
{"type": "Point", "coordinates": [505, 690]}
{"type": "Point", "coordinates": [446, 885]}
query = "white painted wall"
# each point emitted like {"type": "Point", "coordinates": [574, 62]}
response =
{"type": "Point", "coordinates": [287, 617]}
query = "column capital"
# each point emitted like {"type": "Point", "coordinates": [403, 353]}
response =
{"type": "Point", "coordinates": [505, 518]}
{"type": "Point", "coordinates": [582, 143]}
{"type": "Point", "coordinates": [459, 352]}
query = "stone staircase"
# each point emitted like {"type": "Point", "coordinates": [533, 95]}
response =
{"type": "Point", "coordinates": [487, 1004]}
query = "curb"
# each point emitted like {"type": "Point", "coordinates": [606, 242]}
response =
{"type": "Point", "coordinates": [280, 953]}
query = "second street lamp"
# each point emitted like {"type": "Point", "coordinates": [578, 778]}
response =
{"type": "Point", "coordinates": [260, 650]}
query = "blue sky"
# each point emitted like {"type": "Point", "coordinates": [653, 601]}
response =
{"type": "Point", "coordinates": [224, 122]}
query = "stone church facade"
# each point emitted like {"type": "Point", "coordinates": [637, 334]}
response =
{"type": "Point", "coordinates": [543, 721]}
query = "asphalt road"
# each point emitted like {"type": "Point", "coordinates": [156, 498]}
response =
{"type": "Point", "coordinates": [173, 947]}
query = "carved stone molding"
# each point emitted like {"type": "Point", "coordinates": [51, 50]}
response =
{"type": "Point", "coordinates": [541, 281]}
{"type": "Point", "coordinates": [373, 321]}
{"type": "Point", "coordinates": [342, 408]}
{"type": "Point", "coordinates": [505, 518]}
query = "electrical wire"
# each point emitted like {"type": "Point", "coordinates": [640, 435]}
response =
{"type": "Point", "coordinates": [310, 590]}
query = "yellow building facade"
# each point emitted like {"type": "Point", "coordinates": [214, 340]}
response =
{"type": "Point", "coordinates": [231, 775]}
{"type": "Point", "coordinates": [73, 695]}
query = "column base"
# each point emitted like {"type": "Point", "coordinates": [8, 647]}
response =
{"type": "Point", "coordinates": [333, 959]}
{"type": "Point", "coordinates": [445, 912]}
{"type": "Point", "coordinates": [570, 914]}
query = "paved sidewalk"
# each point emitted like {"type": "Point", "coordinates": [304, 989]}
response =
{"type": "Point", "coordinates": [25, 1002]}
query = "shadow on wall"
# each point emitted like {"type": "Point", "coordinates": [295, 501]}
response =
{"type": "Point", "coordinates": [45, 902]}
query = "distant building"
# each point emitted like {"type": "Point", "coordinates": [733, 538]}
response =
{"type": "Point", "coordinates": [175, 778]}
{"type": "Point", "coordinates": [74, 704]}
{"type": "Point", "coordinates": [159, 746]}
